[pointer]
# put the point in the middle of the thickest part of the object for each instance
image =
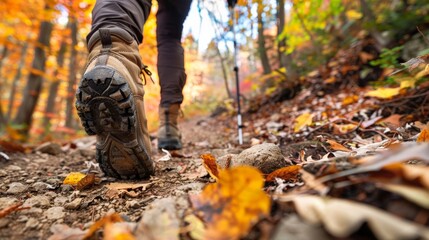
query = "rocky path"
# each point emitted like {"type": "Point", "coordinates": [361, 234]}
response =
{"type": "Point", "coordinates": [36, 179]}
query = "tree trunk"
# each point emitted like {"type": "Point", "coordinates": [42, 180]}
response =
{"type": "Point", "coordinates": [381, 42]}
{"type": "Point", "coordinates": [34, 83]}
{"type": "Point", "coordinates": [53, 88]}
{"type": "Point", "coordinates": [224, 73]}
{"type": "Point", "coordinates": [72, 74]}
{"type": "Point", "coordinates": [261, 41]}
{"type": "Point", "coordinates": [16, 80]}
{"type": "Point", "coordinates": [2, 118]}
{"type": "Point", "coordinates": [284, 59]}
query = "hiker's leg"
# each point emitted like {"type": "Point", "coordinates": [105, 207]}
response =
{"type": "Point", "coordinates": [109, 99]}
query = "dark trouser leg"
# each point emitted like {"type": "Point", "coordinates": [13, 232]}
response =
{"type": "Point", "coordinates": [129, 15]}
{"type": "Point", "coordinates": [170, 17]}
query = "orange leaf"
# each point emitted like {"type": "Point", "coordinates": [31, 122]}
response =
{"type": "Point", "coordinates": [343, 128]}
{"type": "Point", "coordinates": [209, 162]}
{"type": "Point", "coordinates": [289, 173]}
{"type": "Point", "coordinates": [104, 221]}
{"type": "Point", "coordinates": [424, 135]}
{"type": "Point", "coordinates": [336, 146]}
{"type": "Point", "coordinates": [233, 204]}
{"type": "Point", "coordinates": [86, 182]}
{"type": "Point", "coordinates": [13, 208]}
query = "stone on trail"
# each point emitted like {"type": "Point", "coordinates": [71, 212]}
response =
{"type": "Point", "coordinates": [49, 148]}
{"type": "Point", "coordinates": [267, 157]}
{"type": "Point", "coordinates": [54, 213]}
{"type": "Point", "coordinates": [16, 187]}
{"type": "Point", "coordinates": [37, 201]}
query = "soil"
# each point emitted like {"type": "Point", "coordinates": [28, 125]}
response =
{"type": "Point", "coordinates": [41, 176]}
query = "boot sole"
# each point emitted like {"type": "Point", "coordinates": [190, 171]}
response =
{"type": "Point", "coordinates": [106, 108]}
{"type": "Point", "coordinates": [169, 144]}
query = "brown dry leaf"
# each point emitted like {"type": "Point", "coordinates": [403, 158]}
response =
{"type": "Point", "coordinates": [233, 204]}
{"type": "Point", "coordinates": [312, 183]}
{"type": "Point", "coordinates": [416, 195]}
{"type": "Point", "coordinates": [424, 135]}
{"type": "Point", "coordinates": [109, 219]}
{"type": "Point", "coordinates": [210, 164]}
{"type": "Point", "coordinates": [289, 173]}
{"type": "Point", "coordinates": [13, 208]}
{"type": "Point", "coordinates": [344, 128]}
{"type": "Point", "coordinates": [8, 146]}
{"type": "Point", "coordinates": [336, 146]}
{"type": "Point", "coordinates": [393, 120]}
{"type": "Point", "coordinates": [341, 218]}
{"type": "Point", "coordinates": [410, 173]}
{"type": "Point", "coordinates": [86, 182]}
{"type": "Point", "coordinates": [73, 178]}
{"type": "Point", "coordinates": [302, 121]}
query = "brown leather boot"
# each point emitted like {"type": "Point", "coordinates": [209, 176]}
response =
{"type": "Point", "coordinates": [169, 136]}
{"type": "Point", "coordinates": [109, 102]}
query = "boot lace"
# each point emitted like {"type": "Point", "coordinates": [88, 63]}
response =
{"type": "Point", "coordinates": [145, 71]}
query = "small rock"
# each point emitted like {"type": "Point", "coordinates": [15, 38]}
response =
{"type": "Point", "coordinates": [29, 181]}
{"type": "Point", "coordinates": [49, 148]}
{"type": "Point", "coordinates": [13, 168]}
{"type": "Point", "coordinates": [51, 194]}
{"type": "Point", "coordinates": [194, 187]}
{"type": "Point", "coordinates": [267, 157]}
{"type": "Point", "coordinates": [7, 201]}
{"type": "Point", "coordinates": [54, 213]}
{"type": "Point", "coordinates": [33, 211]}
{"type": "Point", "coordinates": [110, 211]}
{"type": "Point", "coordinates": [39, 186]}
{"type": "Point", "coordinates": [3, 173]}
{"type": "Point", "coordinates": [60, 201]}
{"type": "Point", "coordinates": [66, 188]}
{"type": "Point", "coordinates": [132, 204]}
{"type": "Point", "coordinates": [31, 223]}
{"type": "Point", "coordinates": [16, 187]}
{"type": "Point", "coordinates": [53, 181]}
{"type": "Point", "coordinates": [21, 219]}
{"type": "Point", "coordinates": [75, 204]}
{"type": "Point", "coordinates": [4, 222]}
{"type": "Point", "coordinates": [37, 201]}
{"type": "Point", "coordinates": [87, 152]}
{"type": "Point", "coordinates": [274, 126]}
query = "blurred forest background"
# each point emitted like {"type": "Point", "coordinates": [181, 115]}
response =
{"type": "Point", "coordinates": [281, 44]}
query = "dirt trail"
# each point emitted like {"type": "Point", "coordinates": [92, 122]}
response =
{"type": "Point", "coordinates": [36, 180]}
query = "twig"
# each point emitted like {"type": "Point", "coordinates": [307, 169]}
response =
{"type": "Point", "coordinates": [423, 35]}
{"type": "Point", "coordinates": [14, 208]}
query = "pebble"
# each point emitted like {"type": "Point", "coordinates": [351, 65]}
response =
{"type": "Point", "coordinates": [37, 201]}
{"type": "Point", "coordinates": [3, 173]}
{"type": "Point", "coordinates": [75, 204]}
{"type": "Point", "coordinates": [13, 168]}
{"type": "Point", "coordinates": [54, 181]}
{"type": "Point", "coordinates": [7, 201]}
{"type": "Point", "coordinates": [33, 210]}
{"type": "Point", "coordinates": [30, 181]}
{"type": "Point", "coordinates": [49, 148]}
{"type": "Point", "coordinates": [132, 204]}
{"type": "Point", "coordinates": [40, 186]}
{"type": "Point", "coordinates": [22, 218]}
{"type": "Point", "coordinates": [54, 213]}
{"type": "Point", "coordinates": [66, 188]}
{"type": "Point", "coordinates": [16, 187]}
{"type": "Point", "coordinates": [51, 194]}
{"type": "Point", "coordinates": [4, 222]}
{"type": "Point", "coordinates": [31, 223]}
{"type": "Point", "coordinates": [60, 201]}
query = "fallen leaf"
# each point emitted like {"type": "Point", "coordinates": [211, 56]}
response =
{"type": "Point", "coordinates": [127, 186]}
{"type": "Point", "coordinates": [210, 164]}
{"type": "Point", "coordinates": [350, 99]}
{"type": "Point", "coordinates": [393, 120]}
{"type": "Point", "coordinates": [196, 227]}
{"type": "Point", "coordinates": [13, 208]}
{"type": "Point", "coordinates": [302, 121]}
{"type": "Point", "coordinates": [108, 219]}
{"type": "Point", "coordinates": [64, 232]}
{"type": "Point", "coordinates": [424, 135]}
{"type": "Point", "coordinates": [336, 146]}
{"type": "Point", "coordinates": [289, 173]}
{"type": "Point", "coordinates": [8, 146]}
{"type": "Point", "coordinates": [412, 174]}
{"type": "Point", "coordinates": [383, 93]}
{"type": "Point", "coordinates": [341, 218]}
{"type": "Point", "coordinates": [233, 204]}
{"type": "Point", "coordinates": [311, 182]}
{"type": "Point", "coordinates": [416, 195]}
{"type": "Point", "coordinates": [344, 128]}
{"type": "Point", "coordinates": [73, 178]}
{"type": "Point", "coordinates": [117, 231]}
{"type": "Point", "coordinates": [86, 182]}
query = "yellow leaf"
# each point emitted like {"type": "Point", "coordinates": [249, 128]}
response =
{"type": "Point", "coordinates": [408, 82]}
{"type": "Point", "coordinates": [424, 135]}
{"type": "Point", "coordinates": [353, 14]}
{"type": "Point", "coordinates": [196, 227]}
{"type": "Point", "coordinates": [350, 99]}
{"type": "Point", "coordinates": [73, 178]}
{"type": "Point", "coordinates": [302, 121]}
{"type": "Point", "coordinates": [383, 93]}
{"type": "Point", "coordinates": [233, 204]}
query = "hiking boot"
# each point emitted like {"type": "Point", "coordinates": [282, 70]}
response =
{"type": "Point", "coordinates": [109, 102]}
{"type": "Point", "coordinates": [169, 136]}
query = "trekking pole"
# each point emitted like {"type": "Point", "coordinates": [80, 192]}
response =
{"type": "Point", "coordinates": [231, 5]}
